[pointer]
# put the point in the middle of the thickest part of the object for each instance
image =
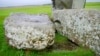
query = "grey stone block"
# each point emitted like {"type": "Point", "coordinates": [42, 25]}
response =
{"type": "Point", "coordinates": [26, 31]}
{"type": "Point", "coordinates": [79, 25]}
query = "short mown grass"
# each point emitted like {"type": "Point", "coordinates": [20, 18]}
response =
{"type": "Point", "coordinates": [46, 9]}
{"type": "Point", "coordinates": [6, 50]}
{"type": "Point", "coordinates": [93, 5]}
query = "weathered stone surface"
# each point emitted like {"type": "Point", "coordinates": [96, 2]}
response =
{"type": "Point", "coordinates": [68, 4]}
{"type": "Point", "coordinates": [80, 25]}
{"type": "Point", "coordinates": [29, 31]}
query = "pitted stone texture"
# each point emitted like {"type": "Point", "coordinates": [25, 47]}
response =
{"type": "Point", "coordinates": [29, 31]}
{"type": "Point", "coordinates": [80, 25]}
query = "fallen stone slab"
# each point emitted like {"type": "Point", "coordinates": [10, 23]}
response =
{"type": "Point", "coordinates": [25, 31]}
{"type": "Point", "coordinates": [80, 25]}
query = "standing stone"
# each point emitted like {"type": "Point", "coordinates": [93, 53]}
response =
{"type": "Point", "coordinates": [78, 4]}
{"type": "Point", "coordinates": [25, 31]}
{"type": "Point", "coordinates": [68, 4]}
{"type": "Point", "coordinates": [80, 26]}
{"type": "Point", "coordinates": [62, 4]}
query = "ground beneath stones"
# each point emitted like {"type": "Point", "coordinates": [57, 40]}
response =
{"type": "Point", "coordinates": [63, 46]}
{"type": "Point", "coordinates": [56, 47]}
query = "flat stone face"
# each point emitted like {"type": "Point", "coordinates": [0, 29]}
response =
{"type": "Point", "coordinates": [81, 26]}
{"type": "Point", "coordinates": [29, 31]}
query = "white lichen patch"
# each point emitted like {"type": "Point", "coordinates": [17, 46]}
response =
{"type": "Point", "coordinates": [29, 31]}
{"type": "Point", "coordinates": [80, 25]}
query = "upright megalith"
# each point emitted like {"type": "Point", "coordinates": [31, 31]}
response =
{"type": "Point", "coordinates": [62, 4]}
{"type": "Point", "coordinates": [78, 4]}
{"type": "Point", "coordinates": [80, 26]}
{"type": "Point", "coordinates": [25, 31]}
{"type": "Point", "coordinates": [68, 4]}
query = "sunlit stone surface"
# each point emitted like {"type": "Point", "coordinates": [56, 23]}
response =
{"type": "Point", "coordinates": [29, 31]}
{"type": "Point", "coordinates": [81, 26]}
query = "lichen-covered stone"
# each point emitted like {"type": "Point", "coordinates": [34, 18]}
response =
{"type": "Point", "coordinates": [29, 31]}
{"type": "Point", "coordinates": [80, 25]}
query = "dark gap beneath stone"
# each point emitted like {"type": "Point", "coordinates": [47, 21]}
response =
{"type": "Point", "coordinates": [73, 42]}
{"type": "Point", "coordinates": [57, 21]}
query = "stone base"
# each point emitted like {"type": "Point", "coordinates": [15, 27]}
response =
{"type": "Point", "coordinates": [29, 31]}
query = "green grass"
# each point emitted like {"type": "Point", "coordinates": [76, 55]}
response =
{"type": "Point", "coordinates": [60, 39]}
{"type": "Point", "coordinates": [28, 9]}
{"type": "Point", "coordinates": [6, 50]}
{"type": "Point", "coordinates": [94, 5]}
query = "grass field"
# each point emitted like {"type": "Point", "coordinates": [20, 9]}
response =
{"type": "Point", "coordinates": [6, 50]}
{"type": "Point", "coordinates": [94, 5]}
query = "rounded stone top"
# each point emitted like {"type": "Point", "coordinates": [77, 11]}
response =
{"type": "Point", "coordinates": [21, 19]}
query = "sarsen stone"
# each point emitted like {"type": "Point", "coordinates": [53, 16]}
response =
{"type": "Point", "coordinates": [80, 25]}
{"type": "Point", "coordinates": [26, 31]}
